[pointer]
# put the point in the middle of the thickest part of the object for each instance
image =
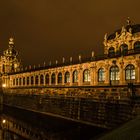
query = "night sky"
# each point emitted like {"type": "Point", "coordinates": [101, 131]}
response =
{"type": "Point", "coordinates": [47, 30]}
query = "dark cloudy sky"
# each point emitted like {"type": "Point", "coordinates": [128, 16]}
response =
{"type": "Point", "coordinates": [47, 30]}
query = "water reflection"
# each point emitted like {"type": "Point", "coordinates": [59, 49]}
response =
{"type": "Point", "coordinates": [18, 124]}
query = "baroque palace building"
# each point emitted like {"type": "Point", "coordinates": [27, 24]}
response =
{"type": "Point", "coordinates": [119, 65]}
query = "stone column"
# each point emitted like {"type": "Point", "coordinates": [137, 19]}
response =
{"type": "Point", "coordinates": [122, 74]}
{"type": "Point", "coordinates": [71, 82]}
{"type": "Point", "coordinates": [92, 76]}
{"type": "Point", "coordinates": [80, 77]}
{"type": "Point", "coordinates": [107, 77]}
{"type": "Point", "coordinates": [138, 72]}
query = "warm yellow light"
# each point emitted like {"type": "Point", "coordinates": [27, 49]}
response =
{"type": "Point", "coordinates": [4, 85]}
{"type": "Point", "coordinates": [3, 121]}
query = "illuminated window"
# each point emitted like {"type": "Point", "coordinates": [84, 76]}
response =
{"type": "Point", "coordinates": [47, 79]}
{"type": "Point", "coordinates": [67, 77]}
{"type": "Point", "coordinates": [75, 76]}
{"type": "Point", "coordinates": [53, 78]}
{"type": "Point", "coordinates": [41, 79]}
{"type": "Point", "coordinates": [130, 72]}
{"type": "Point", "coordinates": [114, 73]}
{"type": "Point", "coordinates": [86, 75]}
{"type": "Point", "coordinates": [59, 78]}
{"type": "Point", "coordinates": [101, 75]}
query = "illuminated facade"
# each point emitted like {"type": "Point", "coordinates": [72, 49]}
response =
{"type": "Point", "coordinates": [119, 65]}
{"type": "Point", "coordinates": [9, 61]}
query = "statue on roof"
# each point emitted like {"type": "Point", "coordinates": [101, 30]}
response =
{"type": "Point", "coordinates": [128, 21]}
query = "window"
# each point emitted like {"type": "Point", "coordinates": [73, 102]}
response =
{"type": "Point", "coordinates": [53, 78]}
{"type": "Point", "coordinates": [16, 81]}
{"type": "Point", "coordinates": [47, 79]}
{"type": "Point", "coordinates": [86, 75]}
{"type": "Point", "coordinates": [124, 49]}
{"type": "Point", "coordinates": [111, 52]}
{"type": "Point", "coordinates": [32, 80]}
{"type": "Point", "coordinates": [23, 80]}
{"type": "Point", "coordinates": [137, 46]}
{"type": "Point", "coordinates": [36, 80]}
{"type": "Point", "coordinates": [27, 80]}
{"type": "Point", "coordinates": [67, 77]}
{"type": "Point", "coordinates": [114, 73]}
{"type": "Point", "coordinates": [130, 72]}
{"type": "Point", "coordinates": [75, 76]}
{"type": "Point", "coordinates": [101, 75]}
{"type": "Point", "coordinates": [41, 79]}
{"type": "Point", "coordinates": [59, 78]}
{"type": "Point", "coordinates": [13, 82]}
{"type": "Point", "coordinates": [20, 81]}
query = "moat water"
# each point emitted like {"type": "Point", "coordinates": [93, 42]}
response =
{"type": "Point", "coordinates": [54, 128]}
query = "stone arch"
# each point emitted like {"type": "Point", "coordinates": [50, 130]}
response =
{"type": "Point", "coordinates": [36, 80]}
{"type": "Point", "coordinates": [47, 79]}
{"type": "Point", "coordinates": [101, 75]}
{"type": "Point", "coordinates": [41, 79]}
{"type": "Point", "coordinates": [86, 75]}
{"type": "Point", "coordinates": [59, 80]}
{"type": "Point", "coordinates": [20, 81]}
{"type": "Point", "coordinates": [124, 49]}
{"type": "Point", "coordinates": [67, 77]}
{"type": "Point", "coordinates": [75, 76]}
{"type": "Point", "coordinates": [28, 80]}
{"type": "Point", "coordinates": [137, 46]}
{"type": "Point", "coordinates": [24, 81]}
{"type": "Point", "coordinates": [32, 80]}
{"type": "Point", "coordinates": [53, 78]}
{"type": "Point", "coordinates": [130, 72]}
{"type": "Point", "coordinates": [114, 74]}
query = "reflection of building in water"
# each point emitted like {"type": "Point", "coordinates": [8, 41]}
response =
{"type": "Point", "coordinates": [119, 65]}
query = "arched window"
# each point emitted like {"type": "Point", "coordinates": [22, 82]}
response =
{"type": "Point", "coordinates": [114, 73]}
{"type": "Point", "coordinates": [124, 49]}
{"type": "Point", "coordinates": [47, 79]}
{"type": "Point", "coordinates": [67, 77]}
{"type": "Point", "coordinates": [59, 78]}
{"type": "Point", "coordinates": [130, 72]}
{"type": "Point", "coordinates": [111, 52]}
{"type": "Point", "coordinates": [41, 79]}
{"type": "Point", "coordinates": [53, 78]}
{"type": "Point", "coordinates": [32, 80]}
{"type": "Point", "coordinates": [36, 80]}
{"type": "Point", "coordinates": [75, 76]}
{"type": "Point", "coordinates": [27, 80]}
{"type": "Point", "coordinates": [137, 46]}
{"type": "Point", "coordinates": [23, 80]}
{"type": "Point", "coordinates": [19, 81]}
{"type": "Point", "coordinates": [16, 81]}
{"type": "Point", "coordinates": [13, 82]}
{"type": "Point", "coordinates": [86, 75]}
{"type": "Point", "coordinates": [101, 75]}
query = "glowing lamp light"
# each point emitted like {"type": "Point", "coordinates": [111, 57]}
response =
{"type": "Point", "coordinates": [3, 121]}
{"type": "Point", "coordinates": [4, 85]}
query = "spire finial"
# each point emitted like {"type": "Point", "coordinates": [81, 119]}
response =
{"type": "Point", "coordinates": [11, 41]}
{"type": "Point", "coordinates": [128, 21]}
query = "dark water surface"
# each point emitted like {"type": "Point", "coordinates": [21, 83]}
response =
{"type": "Point", "coordinates": [54, 128]}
